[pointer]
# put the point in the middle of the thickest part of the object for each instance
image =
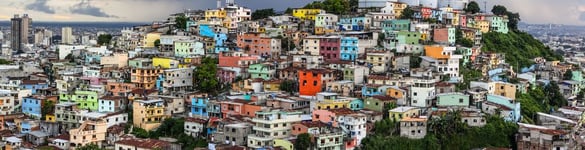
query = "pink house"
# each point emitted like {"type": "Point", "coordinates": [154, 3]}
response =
{"type": "Point", "coordinates": [330, 48]}
{"type": "Point", "coordinates": [330, 116]}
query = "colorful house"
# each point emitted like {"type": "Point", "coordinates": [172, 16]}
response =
{"type": "Point", "coordinates": [148, 114]}
{"type": "Point", "coordinates": [32, 106]}
{"type": "Point", "coordinates": [399, 113]}
{"type": "Point", "coordinates": [452, 100]}
{"type": "Point", "coordinates": [396, 25]}
{"type": "Point", "coordinates": [84, 99]}
{"type": "Point", "coordinates": [379, 103]}
{"type": "Point", "coordinates": [199, 107]}
{"type": "Point", "coordinates": [186, 48]}
{"type": "Point", "coordinates": [349, 48]}
{"type": "Point", "coordinates": [307, 14]}
{"type": "Point", "coordinates": [34, 85]}
{"type": "Point", "coordinates": [265, 71]}
{"type": "Point", "coordinates": [330, 48]}
{"type": "Point", "coordinates": [312, 81]}
{"type": "Point", "coordinates": [150, 38]}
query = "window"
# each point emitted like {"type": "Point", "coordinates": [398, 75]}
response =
{"type": "Point", "coordinates": [460, 100]}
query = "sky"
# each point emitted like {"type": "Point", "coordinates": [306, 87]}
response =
{"type": "Point", "coordinates": [570, 12]}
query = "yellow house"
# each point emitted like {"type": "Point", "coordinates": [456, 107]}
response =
{"type": "Point", "coordinates": [272, 85]}
{"type": "Point", "coordinates": [148, 114]}
{"type": "Point", "coordinates": [50, 118]}
{"type": "Point", "coordinates": [398, 113]}
{"type": "Point", "coordinates": [284, 144]}
{"type": "Point", "coordinates": [215, 13]}
{"type": "Point", "coordinates": [483, 26]}
{"type": "Point", "coordinates": [91, 131]}
{"type": "Point", "coordinates": [398, 7]}
{"type": "Point", "coordinates": [332, 104]}
{"type": "Point", "coordinates": [166, 63]}
{"type": "Point", "coordinates": [306, 14]}
{"type": "Point", "coordinates": [144, 77]}
{"type": "Point", "coordinates": [150, 38]}
{"type": "Point", "coordinates": [505, 89]}
{"type": "Point", "coordinates": [455, 21]}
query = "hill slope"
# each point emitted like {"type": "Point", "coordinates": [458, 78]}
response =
{"type": "Point", "coordinates": [520, 48]}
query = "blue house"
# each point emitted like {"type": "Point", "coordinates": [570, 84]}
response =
{"type": "Point", "coordinates": [26, 126]}
{"type": "Point", "coordinates": [159, 82]}
{"type": "Point", "coordinates": [206, 31]}
{"type": "Point", "coordinates": [373, 89]}
{"type": "Point", "coordinates": [353, 24]}
{"type": "Point", "coordinates": [189, 24]}
{"type": "Point", "coordinates": [349, 48]}
{"type": "Point", "coordinates": [32, 106]}
{"type": "Point", "coordinates": [34, 85]}
{"type": "Point", "coordinates": [509, 110]}
{"type": "Point", "coordinates": [92, 58]}
{"type": "Point", "coordinates": [220, 40]}
{"type": "Point", "coordinates": [199, 106]}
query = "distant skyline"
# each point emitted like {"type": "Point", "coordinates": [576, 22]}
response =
{"type": "Point", "coordinates": [571, 12]}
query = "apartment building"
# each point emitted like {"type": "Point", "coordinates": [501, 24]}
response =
{"type": "Point", "coordinates": [148, 114]}
{"type": "Point", "coordinates": [270, 125]}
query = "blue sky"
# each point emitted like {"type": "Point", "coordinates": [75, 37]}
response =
{"type": "Point", "coordinates": [531, 11]}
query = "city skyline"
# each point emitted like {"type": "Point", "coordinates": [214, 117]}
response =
{"type": "Point", "coordinates": [531, 11]}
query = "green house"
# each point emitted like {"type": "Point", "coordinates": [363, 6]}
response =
{"type": "Point", "coordinates": [264, 70]}
{"type": "Point", "coordinates": [84, 99]}
{"type": "Point", "coordinates": [452, 100]}
{"type": "Point", "coordinates": [379, 103]}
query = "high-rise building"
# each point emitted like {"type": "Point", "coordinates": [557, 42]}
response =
{"type": "Point", "coordinates": [66, 35]}
{"type": "Point", "coordinates": [21, 31]}
{"type": "Point", "coordinates": [43, 37]}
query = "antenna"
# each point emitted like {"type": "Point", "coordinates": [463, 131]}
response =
{"type": "Point", "coordinates": [485, 6]}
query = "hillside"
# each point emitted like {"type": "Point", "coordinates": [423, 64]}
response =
{"type": "Point", "coordinates": [520, 48]}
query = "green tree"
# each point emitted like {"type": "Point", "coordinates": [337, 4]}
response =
{"type": "Point", "coordinates": [513, 20]}
{"type": "Point", "coordinates": [553, 92]}
{"type": "Point", "coordinates": [460, 40]}
{"type": "Point", "coordinates": [181, 22]}
{"type": "Point", "coordinates": [288, 11]}
{"type": "Point", "coordinates": [407, 13]}
{"type": "Point", "coordinates": [581, 94]}
{"type": "Point", "coordinates": [338, 7]}
{"type": "Point", "coordinates": [568, 75]}
{"type": "Point", "coordinates": [415, 61]}
{"type": "Point", "coordinates": [289, 86]}
{"type": "Point", "coordinates": [47, 108]}
{"type": "Point", "coordinates": [104, 39]}
{"type": "Point", "coordinates": [303, 142]}
{"type": "Point", "coordinates": [89, 147]}
{"type": "Point", "coordinates": [472, 7]}
{"type": "Point", "coordinates": [4, 62]}
{"type": "Point", "coordinates": [157, 43]}
{"type": "Point", "coordinates": [499, 10]}
{"type": "Point", "coordinates": [520, 48]}
{"type": "Point", "coordinates": [205, 75]}
{"type": "Point", "coordinates": [262, 13]}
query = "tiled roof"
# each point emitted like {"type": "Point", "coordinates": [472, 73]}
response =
{"type": "Point", "coordinates": [144, 143]}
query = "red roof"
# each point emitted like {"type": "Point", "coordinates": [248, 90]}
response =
{"type": "Point", "coordinates": [197, 120]}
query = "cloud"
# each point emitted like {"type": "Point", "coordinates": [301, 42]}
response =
{"type": "Point", "coordinates": [41, 6]}
{"type": "Point", "coordinates": [85, 8]}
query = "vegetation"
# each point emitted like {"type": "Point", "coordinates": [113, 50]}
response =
{"type": "Point", "coordinates": [338, 7]}
{"type": "Point", "coordinates": [181, 22]}
{"type": "Point", "coordinates": [520, 48]}
{"type": "Point", "coordinates": [447, 132]}
{"type": "Point", "coordinates": [4, 62]}
{"type": "Point", "coordinates": [499, 10]}
{"type": "Point", "coordinates": [104, 39]}
{"type": "Point", "coordinates": [289, 86]}
{"type": "Point", "coordinates": [205, 75]}
{"type": "Point", "coordinates": [262, 13]}
{"type": "Point", "coordinates": [47, 108]}
{"type": "Point", "coordinates": [415, 61]}
{"type": "Point", "coordinates": [172, 127]}
{"type": "Point", "coordinates": [513, 18]}
{"type": "Point", "coordinates": [460, 40]}
{"type": "Point", "coordinates": [407, 13]}
{"type": "Point", "coordinates": [472, 7]}
{"type": "Point", "coordinates": [157, 43]}
{"type": "Point", "coordinates": [89, 147]}
{"type": "Point", "coordinates": [540, 99]}
{"type": "Point", "coordinates": [468, 76]}
{"type": "Point", "coordinates": [568, 75]}
{"type": "Point", "coordinates": [303, 142]}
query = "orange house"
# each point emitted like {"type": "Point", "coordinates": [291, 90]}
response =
{"type": "Point", "coordinates": [119, 88]}
{"type": "Point", "coordinates": [305, 126]}
{"type": "Point", "coordinates": [239, 107]}
{"type": "Point", "coordinates": [253, 44]}
{"type": "Point", "coordinates": [395, 92]}
{"type": "Point", "coordinates": [436, 52]}
{"type": "Point", "coordinates": [312, 81]}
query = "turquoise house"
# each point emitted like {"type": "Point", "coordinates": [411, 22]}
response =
{"type": "Point", "coordinates": [396, 25]}
{"type": "Point", "coordinates": [356, 104]}
{"type": "Point", "coordinates": [498, 24]}
{"type": "Point", "coordinates": [452, 100]}
{"type": "Point", "coordinates": [264, 70]}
